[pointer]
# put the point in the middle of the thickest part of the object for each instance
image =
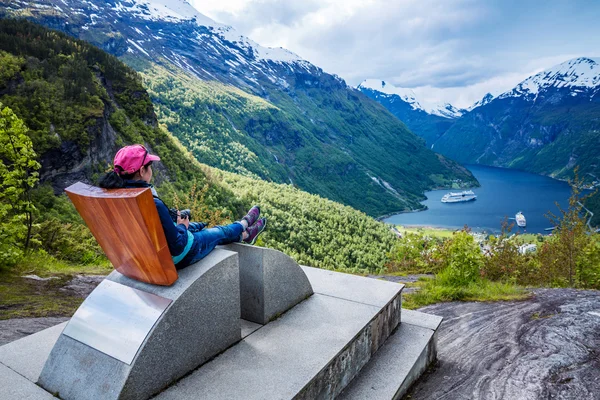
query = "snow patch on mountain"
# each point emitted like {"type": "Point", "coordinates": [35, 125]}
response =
{"type": "Point", "coordinates": [445, 110]}
{"type": "Point", "coordinates": [161, 10]}
{"type": "Point", "coordinates": [168, 11]}
{"type": "Point", "coordinates": [261, 53]}
{"type": "Point", "coordinates": [485, 100]}
{"type": "Point", "coordinates": [181, 11]}
{"type": "Point", "coordinates": [579, 74]}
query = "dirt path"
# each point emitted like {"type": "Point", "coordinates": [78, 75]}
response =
{"type": "Point", "coordinates": [544, 348]}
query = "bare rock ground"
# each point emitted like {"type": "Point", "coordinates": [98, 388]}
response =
{"type": "Point", "coordinates": [13, 329]}
{"type": "Point", "coordinates": [547, 347]}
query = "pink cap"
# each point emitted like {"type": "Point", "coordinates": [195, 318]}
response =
{"type": "Point", "coordinates": [130, 159]}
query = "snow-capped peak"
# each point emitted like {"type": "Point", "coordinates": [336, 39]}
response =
{"type": "Point", "coordinates": [406, 95]}
{"type": "Point", "coordinates": [164, 10]}
{"type": "Point", "coordinates": [485, 100]}
{"type": "Point", "coordinates": [445, 110]}
{"type": "Point", "coordinates": [178, 11]}
{"type": "Point", "coordinates": [577, 74]}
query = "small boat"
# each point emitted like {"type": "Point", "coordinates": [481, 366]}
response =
{"type": "Point", "coordinates": [521, 221]}
{"type": "Point", "coordinates": [466, 195]}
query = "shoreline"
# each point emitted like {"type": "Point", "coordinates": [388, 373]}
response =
{"type": "Point", "coordinates": [382, 217]}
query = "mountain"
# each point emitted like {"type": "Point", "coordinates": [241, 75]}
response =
{"type": "Point", "coordinates": [428, 122]}
{"type": "Point", "coordinates": [547, 124]}
{"type": "Point", "coordinates": [80, 104]}
{"type": "Point", "coordinates": [253, 110]}
{"type": "Point", "coordinates": [440, 109]}
{"type": "Point", "coordinates": [485, 100]}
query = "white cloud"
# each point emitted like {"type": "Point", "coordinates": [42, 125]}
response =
{"type": "Point", "coordinates": [453, 50]}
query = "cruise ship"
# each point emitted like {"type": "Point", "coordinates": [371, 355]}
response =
{"type": "Point", "coordinates": [521, 221]}
{"type": "Point", "coordinates": [467, 195]}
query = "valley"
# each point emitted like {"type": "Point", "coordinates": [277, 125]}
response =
{"type": "Point", "coordinates": [547, 124]}
{"type": "Point", "coordinates": [261, 112]}
{"type": "Point", "coordinates": [349, 175]}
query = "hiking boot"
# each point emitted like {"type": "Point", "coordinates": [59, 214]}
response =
{"type": "Point", "coordinates": [255, 230]}
{"type": "Point", "coordinates": [252, 216]}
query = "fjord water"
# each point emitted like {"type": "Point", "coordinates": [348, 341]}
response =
{"type": "Point", "coordinates": [503, 193]}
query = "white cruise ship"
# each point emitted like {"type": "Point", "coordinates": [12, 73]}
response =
{"type": "Point", "coordinates": [521, 221]}
{"type": "Point", "coordinates": [467, 195]}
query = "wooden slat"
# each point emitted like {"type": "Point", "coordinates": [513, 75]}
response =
{"type": "Point", "coordinates": [125, 223]}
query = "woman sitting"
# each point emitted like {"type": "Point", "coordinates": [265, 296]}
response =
{"type": "Point", "coordinates": [133, 169]}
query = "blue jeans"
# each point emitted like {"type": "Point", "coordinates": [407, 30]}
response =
{"type": "Point", "coordinates": [211, 237]}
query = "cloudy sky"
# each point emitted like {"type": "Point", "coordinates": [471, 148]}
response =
{"type": "Point", "coordinates": [446, 50]}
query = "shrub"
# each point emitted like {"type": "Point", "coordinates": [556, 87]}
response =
{"type": "Point", "coordinates": [414, 253]}
{"type": "Point", "coordinates": [461, 259]}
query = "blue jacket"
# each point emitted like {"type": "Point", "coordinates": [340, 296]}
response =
{"type": "Point", "coordinates": [178, 237]}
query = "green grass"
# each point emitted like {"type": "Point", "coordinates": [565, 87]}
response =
{"type": "Point", "coordinates": [44, 265]}
{"type": "Point", "coordinates": [528, 238]}
{"type": "Point", "coordinates": [28, 298]}
{"type": "Point", "coordinates": [434, 291]}
{"type": "Point", "coordinates": [427, 231]}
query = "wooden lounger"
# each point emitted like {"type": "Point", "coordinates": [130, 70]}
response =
{"type": "Point", "coordinates": [125, 223]}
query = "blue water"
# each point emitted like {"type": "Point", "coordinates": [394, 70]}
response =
{"type": "Point", "coordinates": [503, 192]}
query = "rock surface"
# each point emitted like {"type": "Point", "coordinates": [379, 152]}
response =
{"type": "Point", "coordinates": [17, 328]}
{"type": "Point", "coordinates": [544, 348]}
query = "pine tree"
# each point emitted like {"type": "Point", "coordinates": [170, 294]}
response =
{"type": "Point", "coordinates": [18, 175]}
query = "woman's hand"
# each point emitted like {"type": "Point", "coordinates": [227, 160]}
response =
{"type": "Point", "coordinates": [183, 221]}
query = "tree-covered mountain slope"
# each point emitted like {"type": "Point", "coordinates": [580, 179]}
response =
{"type": "Point", "coordinates": [548, 124]}
{"type": "Point", "coordinates": [261, 112]}
{"type": "Point", "coordinates": [80, 105]}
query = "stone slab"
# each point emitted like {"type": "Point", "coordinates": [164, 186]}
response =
{"type": "Point", "coordinates": [423, 320]}
{"type": "Point", "coordinates": [280, 359]}
{"type": "Point", "coordinates": [28, 355]}
{"type": "Point", "coordinates": [248, 327]}
{"type": "Point", "coordinates": [398, 363]}
{"type": "Point", "coordinates": [271, 282]}
{"type": "Point", "coordinates": [202, 321]}
{"type": "Point", "coordinates": [351, 287]}
{"type": "Point", "coordinates": [17, 387]}
{"type": "Point", "coordinates": [115, 319]}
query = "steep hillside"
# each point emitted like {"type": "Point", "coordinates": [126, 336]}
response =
{"type": "Point", "coordinates": [428, 123]}
{"type": "Point", "coordinates": [548, 124]}
{"type": "Point", "coordinates": [81, 104]}
{"type": "Point", "coordinates": [290, 122]}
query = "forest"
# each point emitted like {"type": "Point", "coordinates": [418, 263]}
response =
{"type": "Point", "coordinates": [39, 67]}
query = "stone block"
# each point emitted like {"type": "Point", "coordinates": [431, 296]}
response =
{"type": "Point", "coordinates": [347, 286]}
{"type": "Point", "coordinates": [270, 282]}
{"type": "Point", "coordinates": [396, 366]}
{"type": "Point", "coordinates": [421, 319]}
{"type": "Point", "coordinates": [282, 359]}
{"type": "Point", "coordinates": [312, 352]}
{"type": "Point", "coordinates": [202, 321]}
{"type": "Point", "coordinates": [14, 386]}
{"type": "Point", "coordinates": [400, 361]}
{"type": "Point", "coordinates": [28, 355]}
